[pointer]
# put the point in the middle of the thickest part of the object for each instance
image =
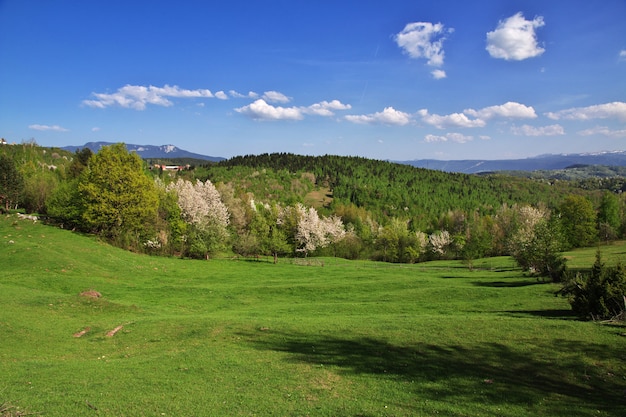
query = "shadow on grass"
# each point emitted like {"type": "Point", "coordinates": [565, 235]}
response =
{"type": "Point", "coordinates": [548, 314]}
{"type": "Point", "coordinates": [509, 284]}
{"type": "Point", "coordinates": [558, 379]}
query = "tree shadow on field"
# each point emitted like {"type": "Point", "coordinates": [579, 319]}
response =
{"type": "Point", "coordinates": [488, 374]}
{"type": "Point", "coordinates": [508, 284]}
{"type": "Point", "coordinates": [547, 314]}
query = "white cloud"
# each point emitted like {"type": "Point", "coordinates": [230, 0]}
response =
{"type": "Point", "coordinates": [603, 131]}
{"type": "Point", "coordinates": [438, 74]}
{"type": "Point", "coordinates": [325, 108]}
{"type": "Point", "coordinates": [137, 96]}
{"type": "Point", "coordinates": [54, 128]}
{"type": "Point", "coordinates": [221, 95]}
{"type": "Point", "coordinates": [453, 137]}
{"type": "Point", "coordinates": [235, 94]}
{"type": "Point", "coordinates": [450, 120]}
{"type": "Point", "coordinates": [95, 129]}
{"type": "Point", "coordinates": [424, 40]}
{"type": "Point", "coordinates": [622, 55]}
{"type": "Point", "coordinates": [275, 97]}
{"type": "Point", "coordinates": [509, 109]}
{"type": "Point", "coordinates": [515, 38]}
{"type": "Point", "coordinates": [388, 116]}
{"type": "Point", "coordinates": [527, 130]}
{"type": "Point", "coordinates": [615, 110]}
{"type": "Point", "coordinates": [260, 110]}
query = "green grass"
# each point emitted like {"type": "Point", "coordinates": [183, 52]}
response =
{"type": "Point", "coordinates": [248, 338]}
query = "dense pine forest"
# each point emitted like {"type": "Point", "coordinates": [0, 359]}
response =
{"type": "Point", "coordinates": [293, 205]}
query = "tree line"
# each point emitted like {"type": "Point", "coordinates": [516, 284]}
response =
{"type": "Point", "coordinates": [293, 205]}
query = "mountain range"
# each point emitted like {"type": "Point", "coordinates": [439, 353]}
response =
{"type": "Point", "coordinates": [467, 166]}
{"type": "Point", "coordinates": [541, 162]}
{"type": "Point", "coordinates": [149, 151]}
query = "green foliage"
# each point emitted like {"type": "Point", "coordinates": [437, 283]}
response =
{"type": "Point", "coordinates": [65, 205]}
{"type": "Point", "coordinates": [578, 218]}
{"type": "Point", "coordinates": [119, 200]}
{"type": "Point", "coordinates": [388, 190]}
{"type": "Point", "coordinates": [11, 183]}
{"type": "Point", "coordinates": [609, 221]}
{"type": "Point", "coordinates": [540, 251]}
{"type": "Point", "coordinates": [600, 293]}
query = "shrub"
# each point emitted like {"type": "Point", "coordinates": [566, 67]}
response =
{"type": "Point", "coordinates": [598, 294]}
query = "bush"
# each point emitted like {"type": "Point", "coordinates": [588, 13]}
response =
{"type": "Point", "coordinates": [598, 294]}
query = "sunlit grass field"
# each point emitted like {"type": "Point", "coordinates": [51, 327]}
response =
{"type": "Point", "coordinates": [325, 337]}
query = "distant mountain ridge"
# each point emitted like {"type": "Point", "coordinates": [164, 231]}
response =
{"type": "Point", "coordinates": [467, 166]}
{"type": "Point", "coordinates": [149, 151]}
{"type": "Point", "coordinates": [541, 162]}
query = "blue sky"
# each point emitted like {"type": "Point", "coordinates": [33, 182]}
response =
{"type": "Point", "coordinates": [387, 79]}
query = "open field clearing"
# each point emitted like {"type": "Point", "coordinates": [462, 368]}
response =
{"type": "Point", "coordinates": [328, 337]}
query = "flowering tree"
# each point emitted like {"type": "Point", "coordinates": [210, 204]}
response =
{"type": "Point", "coordinates": [537, 243]}
{"type": "Point", "coordinates": [439, 241]}
{"type": "Point", "coordinates": [202, 207]}
{"type": "Point", "coordinates": [314, 232]}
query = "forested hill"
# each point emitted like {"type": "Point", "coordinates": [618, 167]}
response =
{"type": "Point", "coordinates": [389, 189]}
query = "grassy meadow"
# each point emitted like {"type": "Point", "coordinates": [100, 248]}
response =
{"type": "Point", "coordinates": [323, 337]}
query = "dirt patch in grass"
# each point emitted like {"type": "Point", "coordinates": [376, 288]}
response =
{"type": "Point", "coordinates": [90, 294]}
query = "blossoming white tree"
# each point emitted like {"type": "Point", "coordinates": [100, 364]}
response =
{"type": "Point", "coordinates": [202, 207]}
{"type": "Point", "coordinates": [314, 232]}
{"type": "Point", "coordinates": [439, 241]}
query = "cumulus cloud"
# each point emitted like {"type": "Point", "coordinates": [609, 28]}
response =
{"type": "Point", "coordinates": [424, 40]}
{"type": "Point", "coordinates": [527, 130]}
{"type": "Point", "coordinates": [275, 97]}
{"type": "Point", "coordinates": [138, 96]}
{"type": "Point", "coordinates": [261, 110]}
{"type": "Point", "coordinates": [510, 109]}
{"type": "Point", "coordinates": [221, 95]}
{"type": "Point", "coordinates": [477, 118]}
{"type": "Point", "coordinates": [325, 108]}
{"type": "Point", "coordinates": [54, 128]}
{"type": "Point", "coordinates": [603, 131]}
{"type": "Point", "coordinates": [388, 116]}
{"type": "Point", "coordinates": [515, 39]}
{"type": "Point", "coordinates": [453, 137]}
{"type": "Point", "coordinates": [450, 120]}
{"type": "Point", "coordinates": [235, 94]}
{"type": "Point", "coordinates": [438, 74]}
{"type": "Point", "coordinates": [615, 110]}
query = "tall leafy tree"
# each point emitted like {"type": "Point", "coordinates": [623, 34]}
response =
{"type": "Point", "coordinates": [608, 216]}
{"type": "Point", "coordinates": [119, 199]}
{"type": "Point", "coordinates": [578, 218]}
{"type": "Point", "coordinates": [11, 182]}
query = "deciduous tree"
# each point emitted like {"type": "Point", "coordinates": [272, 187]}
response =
{"type": "Point", "coordinates": [118, 198]}
{"type": "Point", "coordinates": [579, 221]}
{"type": "Point", "coordinates": [11, 182]}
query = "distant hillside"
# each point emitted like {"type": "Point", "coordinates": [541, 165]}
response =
{"type": "Point", "coordinates": [150, 151]}
{"type": "Point", "coordinates": [542, 162]}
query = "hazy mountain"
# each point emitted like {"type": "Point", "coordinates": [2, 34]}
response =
{"type": "Point", "coordinates": [468, 166]}
{"type": "Point", "coordinates": [149, 151]}
{"type": "Point", "coordinates": [541, 162]}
